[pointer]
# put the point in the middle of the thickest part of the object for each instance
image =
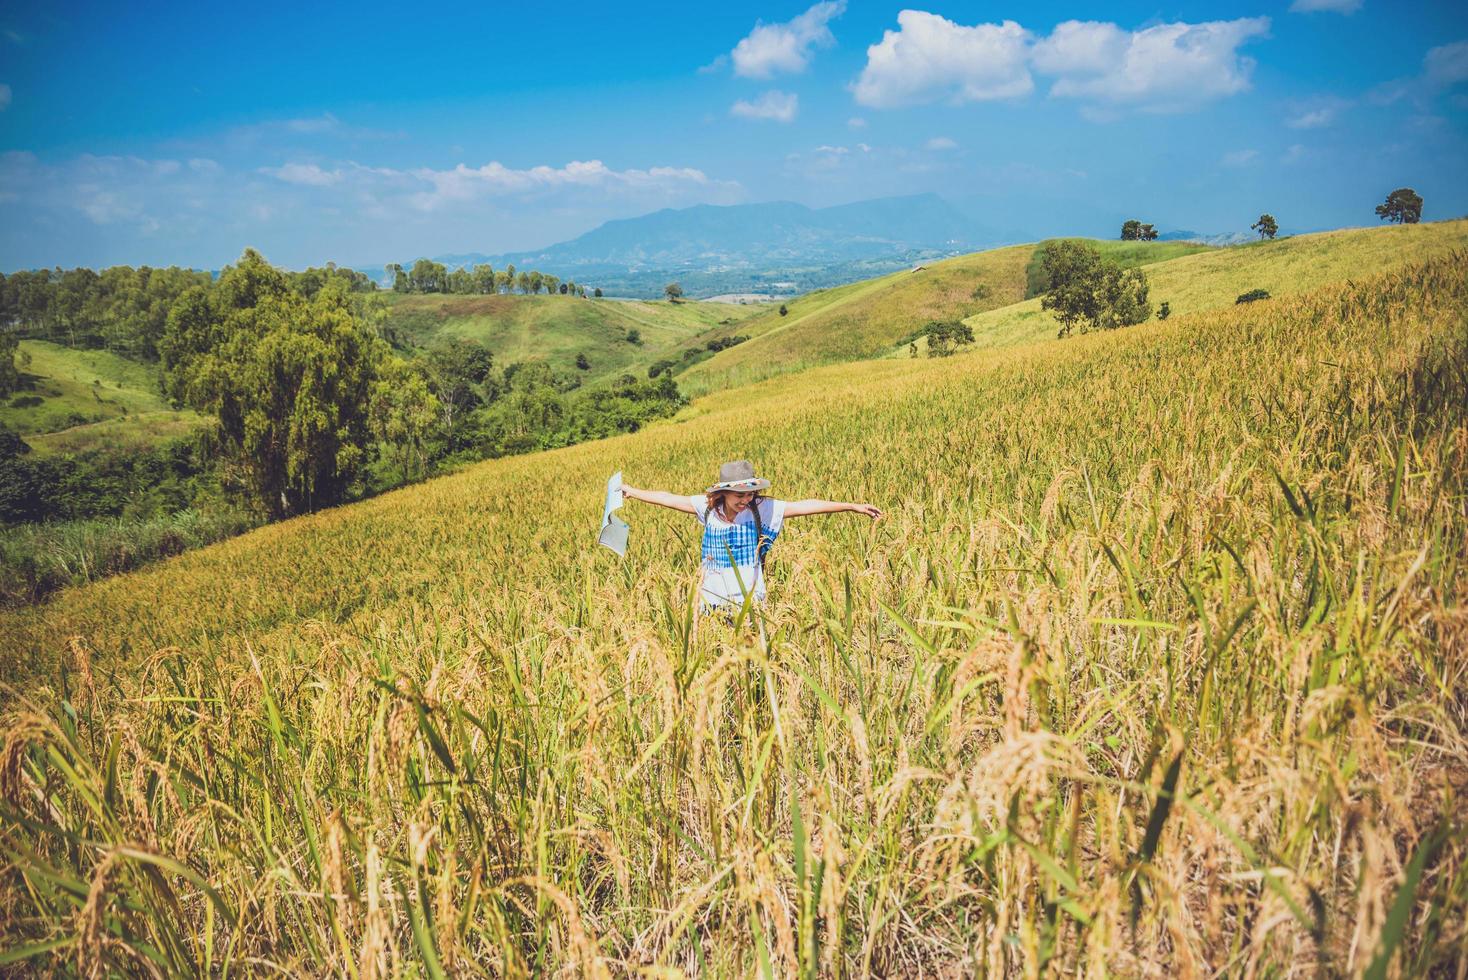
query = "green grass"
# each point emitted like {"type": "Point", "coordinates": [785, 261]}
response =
{"type": "Point", "coordinates": [1216, 277]}
{"type": "Point", "coordinates": [555, 329]}
{"type": "Point", "coordinates": [132, 433]}
{"type": "Point", "coordinates": [77, 387]}
{"type": "Point", "coordinates": [863, 319]}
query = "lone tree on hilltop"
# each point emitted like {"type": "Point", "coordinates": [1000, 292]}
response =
{"type": "Point", "coordinates": [783, 311]}
{"type": "Point", "coordinates": [1266, 226]}
{"type": "Point", "coordinates": [1136, 231]}
{"type": "Point", "coordinates": [1403, 206]}
{"type": "Point", "coordinates": [595, 292]}
{"type": "Point", "coordinates": [674, 292]}
{"type": "Point", "coordinates": [944, 338]}
{"type": "Point", "coordinates": [1091, 291]}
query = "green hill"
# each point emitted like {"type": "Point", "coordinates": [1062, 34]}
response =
{"type": "Point", "coordinates": [865, 319]}
{"type": "Point", "coordinates": [63, 387]}
{"type": "Point", "coordinates": [556, 329]}
{"type": "Point", "coordinates": [1217, 277]}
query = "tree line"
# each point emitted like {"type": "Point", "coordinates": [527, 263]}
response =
{"type": "Point", "coordinates": [312, 405]}
{"type": "Point", "coordinates": [427, 276]}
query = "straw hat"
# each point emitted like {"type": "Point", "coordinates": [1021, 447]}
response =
{"type": "Point", "coordinates": [739, 477]}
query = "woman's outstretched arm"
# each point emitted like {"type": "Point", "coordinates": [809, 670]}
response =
{"type": "Point", "coordinates": [802, 508]}
{"type": "Point", "coordinates": [660, 497]}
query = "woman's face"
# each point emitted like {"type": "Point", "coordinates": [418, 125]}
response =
{"type": "Point", "coordinates": [736, 503]}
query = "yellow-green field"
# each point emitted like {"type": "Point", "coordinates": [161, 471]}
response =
{"type": "Point", "coordinates": [78, 387]}
{"type": "Point", "coordinates": [1156, 666]}
{"type": "Point", "coordinates": [1217, 278]}
{"type": "Point", "coordinates": [557, 328]}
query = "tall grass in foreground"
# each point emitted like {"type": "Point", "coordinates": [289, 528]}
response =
{"type": "Point", "coordinates": [1157, 667]}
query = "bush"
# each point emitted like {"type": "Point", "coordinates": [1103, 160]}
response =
{"type": "Point", "coordinates": [1252, 296]}
{"type": "Point", "coordinates": [1164, 311]}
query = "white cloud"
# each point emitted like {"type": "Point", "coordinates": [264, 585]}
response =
{"type": "Point", "coordinates": [856, 122]}
{"type": "Point", "coordinates": [929, 58]}
{"type": "Point", "coordinates": [308, 174]}
{"type": "Point", "coordinates": [1446, 65]}
{"type": "Point", "coordinates": [1294, 154]}
{"type": "Point", "coordinates": [941, 143]}
{"type": "Point", "coordinates": [773, 48]}
{"type": "Point", "coordinates": [836, 150]}
{"type": "Point", "coordinates": [863, 147]}
{"type": "Point", "coordinates": [495, 179]}
{"type": "Point", "coordinates": [1316, 113]}
{"type": "Point", "coordinates": [774, 104]}
{"type": "Point", "coordinates": [1164, 68]}
{"type": "Point", "coordinates": [4, 97]}
{"type": "Point", "coordinates": [1325, 6]}
{"type": "Point", "coordinates": [1239, 158]}
{"type": "Point", "coordinates": [716, 65]}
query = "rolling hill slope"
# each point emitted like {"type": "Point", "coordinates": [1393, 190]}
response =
{"type": "Point", "coordinates": [555, 329]}
{"type": "Point", "coordinates": [865, 319]}
{"type": "Point", "coordinates": [1174, 605]}
{"type": "Point", "coordinates": [1216, 278]}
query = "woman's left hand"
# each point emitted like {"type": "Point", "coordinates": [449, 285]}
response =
{"type": "Point", "coordinates": [867, 509]}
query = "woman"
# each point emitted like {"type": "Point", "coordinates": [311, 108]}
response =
{"type": "Point", "coordinates": [739, 526]}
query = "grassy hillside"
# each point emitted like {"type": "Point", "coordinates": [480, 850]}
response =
{"type": "Point", "coordinates": [66, 387]}
{"type": "Point", "coordinates": [133, 433]}
{"type": "Point", "coordinates": [864, 318]}
{"type": "Point", "coordinates": [557, 328]}
{"type": "Point", "coordinates": [1217, 277]}
{"type": "Point", "coordinates": [1153, 667]}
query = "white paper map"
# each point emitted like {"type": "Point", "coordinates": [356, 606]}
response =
{"type": "Point", "coordinates": [613, 528]}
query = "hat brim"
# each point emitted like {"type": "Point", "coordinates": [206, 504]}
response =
{"type": "Point", "coordinates": [740, 486]}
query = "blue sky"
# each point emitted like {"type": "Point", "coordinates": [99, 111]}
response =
{"type": "Point", "coordinates": [184, 133]}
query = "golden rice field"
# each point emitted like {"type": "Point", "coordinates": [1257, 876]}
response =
{"type": "Point", "coordinates": [1157, 666]}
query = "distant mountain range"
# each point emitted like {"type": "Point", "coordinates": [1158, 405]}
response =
{"type": "Point", "coordinates": [779, 247]}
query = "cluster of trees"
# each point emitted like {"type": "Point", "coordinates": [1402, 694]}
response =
{"type": "Point", "coordinates": [427, 276]}
{"type": "Point", "coordinates": [313, 406]}
{"type": "Point", "coordinates": [1136, 231]}
{"type": "Point", "coordinates": [122, 309]}
{"type": "Point", "coordinates": [666, 366]}
{"type": "Point", "coordinates": [1092, 292]}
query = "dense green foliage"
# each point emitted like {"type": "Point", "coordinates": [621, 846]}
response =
{"type": "Point", "coordinates": [1092, 292]}
{"type": "Point", "coordinates": [1135, 231]}
{"type": "Point", "coordinates": [1402, 206]}
{"type": "Point", "coordinates": [1266, 226]}
{"type": "Point", "coordinates": [9, 371]}
{"type": "Point", "coordinates": [945, 337]}
{"type": "Point", "coordinates": [1252, 296]}
{"type": "Point", "coordinates": [288, 378]}
{"type": "Point", "coordinates": [428, 276]}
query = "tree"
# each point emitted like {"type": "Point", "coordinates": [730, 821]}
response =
{"type": "Point", "coordinates": [460, 375]}
{"type": "Point", "coordinates": [1135, 231]}
{"type": "Point", "coordinates": [595, 292]}
{"type": "Point", "coordinates": [287, 378]}
{"type": "Point", "coordinates": [783, 311]}
{"type": "Point", "coordinates": [673, 291]}
{"type": "Point", "coordinates": [9, 373]}
{"type": "Point", "coordinates": [945, 337]}
{"type": "Point", "coordinates": [523, 281]}
{"type": "Point", "coordinates": [1084, 289]}
{"type": "Point", "coordinates": [484, 278]}
{"type": "Point", "coordinates": [402, 410]}
{"type": "Point", "coordinates": [1164, 311]}
{"type": "Point", "coordinates": [536, 281]}
{"type": "Point", "coordinates": [1266, 226]}
{"type": "Point", "coordinates": [634, 337]}
{"type": "Point", "coordinates": [1403, 206]}
{"type": "Point", "coordinates": [582, 364]}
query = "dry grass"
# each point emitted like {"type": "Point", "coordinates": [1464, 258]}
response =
{"type": "Point", "coordinates": [1155, 668]}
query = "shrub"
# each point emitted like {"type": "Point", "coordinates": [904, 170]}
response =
{"type": "Point", "coordinates": [1252, 296]}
